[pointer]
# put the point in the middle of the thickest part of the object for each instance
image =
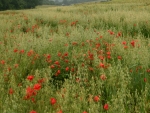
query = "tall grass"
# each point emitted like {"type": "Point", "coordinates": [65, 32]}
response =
{"type": "Point", "coordinates": [89, 58]}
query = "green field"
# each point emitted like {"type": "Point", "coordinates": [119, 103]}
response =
{"type": "Point", "coordinates": [84, 58]}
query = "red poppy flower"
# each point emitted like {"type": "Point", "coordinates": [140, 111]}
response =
{"type": "Point", "coordinates": [145, 80]}
{"type": "Point", "coordinates": [101, 37]}
{"type": "Point", "coordinates": [33, 100]}
{"type": "Point", "coordinates": [2, 61]}
{"type": "Point", "coordinates": [59, 54]}
{"type": "Point", "coordinates": [53, 101]}
{"type": "Point", "coordinates": [101, 65]}
{"type": "Point", "coordinates": [91, 56]}
{"type": "Point", "coordinates": [9, 68]}
{"type": "Point", "coordinates": [57, 62]}
{"type": "Point", "coordinates": [66, 60]}
{"type": "Point", "coordinates": [66, 54]}
{"type": "Point", "coordinates": [101, 57]}
{"type": "Point", "coordinates": [22, 51]}
{"type": "Point", "coordinates": [98, 45]}
{"type": "Point", "coordinates": [52, 66]}
{"type": "Point", "coordinates": [82, 65]}
{"type": "Point", "coordinates": [16, 65]}
{"type": "Point", "coordinates": [41, 80]}
{"type": "Point", "coordinates": [67, 68]}
{"type": "Point", "coordinates": [11, 91]}
{"type": "Point", "coordinates": [148, 70]}
{"type": "Point", "coordinates": [108, 53]}
{"type": "Point", "coordinates": [66, 45]}
{"type": "Point", "coordinates": [67, 34]}
{"type": "Point", "coordinates": [106, 107]}
{"type": "Point", "coordinates": [74, 43]}
{"type": "Point", "coordinates": [73, 23]}
{"type": "Point", "coordinates": [60, 111]}
{"type": "Point", "coordinates": [133, 43]}
{"type": "Point", "coordinates": [125, 47]}
{"type": "Point", "coordinates": [30, 53]}
{"type": "Point", "coordinates": [109, 57]}
{"type": "Point", "coordinates": [84, 112]}
{"type": "Point", "coordinates": [15, 50]}
{"type": "Point", "coordinates": [30, 92]}
{"type": "Point", "coordinates": [119, 34]}
{"type": "Point", "coordinates": [103, 77]}
{"type": "Point", "coordinates": [37, 86]}
{"type": "Point", "coordinates": [48, 56]}
{"type": "Point", "coordinates": [124, 42]}
{"type": "Point", "coordinates": [96, 98]}
{"type": "Point", "coordinates": [119, 57]}
{"type": "Point", "coordinates": [33, 111]}
{"type": "Point", "coordinates": [111, 33]}
{"type": "Point", "coordinates": [73, 69]}
{"type": "Point", "coordinates": [30, 77]}
{"type": "Point", "coordinates": [58, 71]}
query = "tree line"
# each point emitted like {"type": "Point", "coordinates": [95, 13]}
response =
{"type": "Point", "coordinates": [18, 4]}
{"type": "Point", "coordinates": [26, 4]}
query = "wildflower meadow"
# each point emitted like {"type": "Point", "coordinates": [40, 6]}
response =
{"type": "Point", "coordinates": [83, 58]}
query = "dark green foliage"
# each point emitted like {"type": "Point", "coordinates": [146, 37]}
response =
{"type": "Point", "coordinates": [26, 4]}
{"type": "Point", "coordinates": [18, 4]}
{"type": "Point", "coordinates": [145, 30]}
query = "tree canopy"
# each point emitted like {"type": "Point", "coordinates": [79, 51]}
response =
{"type": "Point", "coordinates": [18, 4]}
{"type": "Point", "coordinates": [24, 4]}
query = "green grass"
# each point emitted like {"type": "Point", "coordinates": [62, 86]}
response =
{"type": "Point", "coordinates": [85, 57]}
